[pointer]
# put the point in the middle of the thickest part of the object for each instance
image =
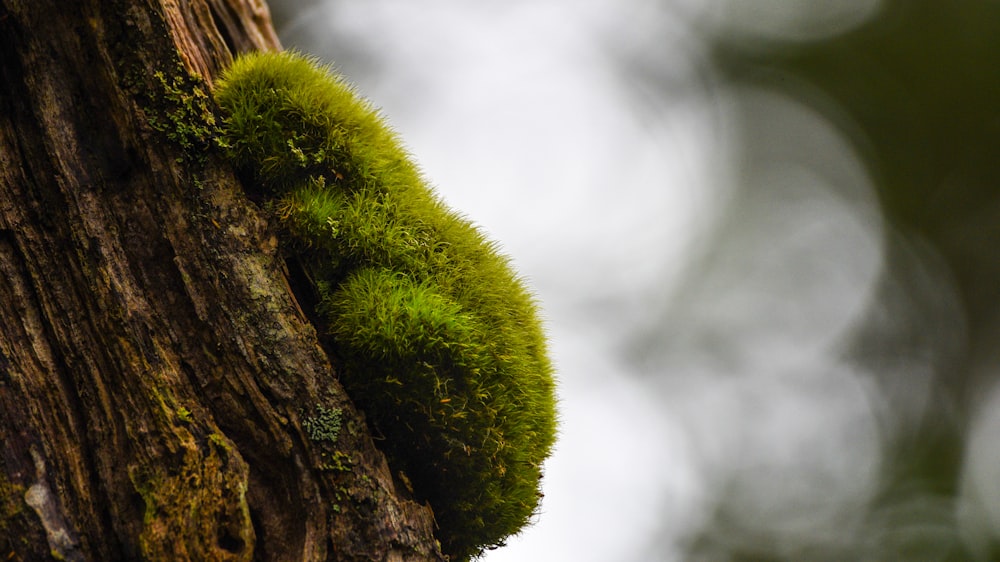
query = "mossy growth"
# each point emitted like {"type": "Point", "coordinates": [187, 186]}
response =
{"type": "Point", "coordinates": [185, 112]}
{"type": "Point", "coordinates": [184, 415]}
{"type": "Point", "coordinates": [439, 341]}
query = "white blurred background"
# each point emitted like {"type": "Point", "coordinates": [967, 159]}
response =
{"type": "Point", "coordinates": [756, 325]}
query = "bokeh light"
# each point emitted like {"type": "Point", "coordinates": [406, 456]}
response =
{"type": "Point", "coordinates": [764, 236]}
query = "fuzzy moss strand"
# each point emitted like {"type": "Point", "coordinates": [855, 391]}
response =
{"type": "Point", "coordinates": [439, 341]}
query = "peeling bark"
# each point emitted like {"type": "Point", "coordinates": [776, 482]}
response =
{"type": "Point", "coordinates": [158, 380]}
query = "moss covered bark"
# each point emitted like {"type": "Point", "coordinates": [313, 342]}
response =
{"type": "Point", "coordinates": [155, 369]}
{"type": "Point", "coordinates": [439, 340]}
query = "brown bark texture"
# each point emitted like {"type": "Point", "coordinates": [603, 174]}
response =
{"type": "Point", "coordinates": [162, 395]}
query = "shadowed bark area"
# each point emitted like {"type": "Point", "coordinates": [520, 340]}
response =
{"type": "Point", "coordinates": [162, 396]}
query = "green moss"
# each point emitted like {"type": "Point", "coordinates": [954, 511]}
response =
{"type": "Point", "coordinates": [182, 110]}
{"type": "Point", "coordinates": [200, 494]}
{"type": "Point", "coordinates": [184, 415]}
{"type": "Point", "coordinates": [439, 341]}
{"type": "Point", "coordinates": [337, 461]}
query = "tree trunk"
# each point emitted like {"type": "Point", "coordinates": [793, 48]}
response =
{"type": "Point", "coordinates": [162, 396]}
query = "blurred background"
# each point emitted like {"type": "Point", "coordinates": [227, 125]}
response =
{"type": "Point", "coordinates": [766, 238]}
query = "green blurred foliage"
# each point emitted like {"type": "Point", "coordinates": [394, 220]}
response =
{"type": "Point", "coordinates": [922, 83]}
{"type": "Point", "coordinates": [919, 85]}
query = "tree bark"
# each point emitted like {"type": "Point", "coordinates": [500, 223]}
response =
{"type": "Point", "coordinates": [162, 395]}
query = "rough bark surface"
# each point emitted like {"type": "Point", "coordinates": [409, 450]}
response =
{"type": "Point", "coordinates": [159, 386]}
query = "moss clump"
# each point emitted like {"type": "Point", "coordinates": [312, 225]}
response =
{"type": "Point", "coordinates": [439, 341]}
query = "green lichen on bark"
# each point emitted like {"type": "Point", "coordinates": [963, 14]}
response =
{"type": "Point", "coordinates": [324, 426]}
{"type": "Point", "coordinates": [438, 340]}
